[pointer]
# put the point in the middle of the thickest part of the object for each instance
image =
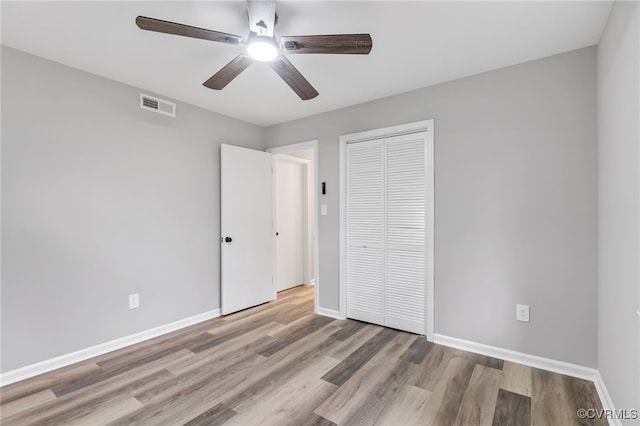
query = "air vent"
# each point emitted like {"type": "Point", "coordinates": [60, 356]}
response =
{"type": "Point", "coordinates": [157, 105]}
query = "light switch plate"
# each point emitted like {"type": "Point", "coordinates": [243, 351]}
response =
{"type": "Point", "coordinates": [323, 209]}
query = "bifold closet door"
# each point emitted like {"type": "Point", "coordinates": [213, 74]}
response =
{"type": "Point", "coordinates": [386, 211]}
{"type": "Point", "coordinates": [405, 188]}
{"type": "Point", "coordinates": [365, 231]}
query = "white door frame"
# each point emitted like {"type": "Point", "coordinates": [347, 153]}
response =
{"type": "Point", "coordinates": [419, 126]}
{"type": "Point", "coordinates": [299, 147]}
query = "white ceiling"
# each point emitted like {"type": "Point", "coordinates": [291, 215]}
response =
{"type": "Point", "coordinates": [415, 44]}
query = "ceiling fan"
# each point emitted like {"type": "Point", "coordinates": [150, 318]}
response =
{"type": "Point", "coordinates": [264, 46]}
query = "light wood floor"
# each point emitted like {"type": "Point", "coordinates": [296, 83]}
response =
{"type": "Point", "coordinates": [280, 364]}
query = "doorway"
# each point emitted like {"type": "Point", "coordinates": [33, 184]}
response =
{"type": "Point", "coordinates": [295, 218]}
{"type": "Point", "coordinates": [290, 217]}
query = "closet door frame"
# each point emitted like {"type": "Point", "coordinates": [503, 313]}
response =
{"type": "Point", "coordinates": [420, 126]}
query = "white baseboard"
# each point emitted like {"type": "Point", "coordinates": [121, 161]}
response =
{"type": "Point", "coordinates": [561, 367]}
{"type": "Point", "coordinates": [328, 313]}
{"type": "Point", "coordinates": [605, 398]}
{"type": "Point", "coordinates": [93, 351]}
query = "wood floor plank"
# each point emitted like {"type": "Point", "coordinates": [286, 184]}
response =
{"type": "Point", "coordinates": [121, 357]}
{"type": "Point", "coordinates": [302, 298]}
{"type": "Point", "coordinates": [28, 402]}
{"type": "Point", "coordinates": [217, 337]}
{"type": "Point", "coordinates": [296, 312]}
{"type": "Point", "coordinates": [314, 323]}
{"type": "Point", "coordinates": [297, 411]}
{"type": "Point", "coordinates": [405, 407]}
{"type": "Point", "coordinates": [351, 395]}
{"type": "Point", "coordinates": [315, 420]}
{"type": "Point", "coordinates": [380, 399]}
{"type": "Point", "coordinates": [137, 380]}
{"type": "Point", "coordinates": [582, 394]}
{"type": "Point", "coordinates": [350, 365]}
{"type": "Point", "coordinates": [343, 348]}
{"type": "Point", "coordinates": [490, 362]}
{"type": "Point", "coordinates": [265, 365]}
{"type": "Point", "coordinates": [183, 398]}
{"type": "Point", "coordinates": [66, 388]}
{"type": "Point", "coordinates": [479, 400]}
{"type": "Point", "coordinates": [231, 371]}
{"type": "Point", "coordinates": [516, 378]}
{"type": "Point", "coordinates": [247, 322]}
{"type": "Point", "coordinates": [277, 371]}
{"type": "Point", "coordinates": [297, 291]}
{"type": "Point", "coordinates": [446, 399]}
{"type": "Point", "coordinates": [433, 367]}
{"type": "Point", "coordinates": [549, 402]}
{"type": "Point", "coordinates": [512, 409]}
{"type": "Point", "coordinates": [61, 376]}
{"type": "Point", "coordinates": [348, 328]}
{"type": "Point", "coordinates": [216, 415]}
{"type": "Point", "coordinates": [101, 414]}
{"type": "Point", "coordinates": [286, 403]}
{"type": "Point", "coordinates": [250, 342]}
{"type": "Point", "coordinates": [196, 390]}
{"type": "Point", "coordinates": [270, 308]}
{"type": "Point", "coordinates": [292, 324]}
{"type": "Point", "coordinates": [237, 386]}
{"type": "Point", "coordinates": [418, 350]}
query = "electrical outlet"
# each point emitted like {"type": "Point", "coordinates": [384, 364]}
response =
{"type": "Point", "coordinates": [522, 313]}
{"type": "Point", "coordinates": [134, 301]}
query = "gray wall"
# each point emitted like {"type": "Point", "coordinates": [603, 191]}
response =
{"type": "Point", "coordinates": [99, 200]}
{"type": "Point", "coordinates": [618, 205]}
{"type": "Point", "coordinates": [515, 201]}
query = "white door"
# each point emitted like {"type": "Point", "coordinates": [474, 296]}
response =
{"type": "Point", "coordinates": [386, 231]}
{"type": "Point", "coordinates": [246, 228]}
{"type": "Point", "coordinates": [405, 191]}
{"type": "Point", "coordinates": [290, 210]}
{"type": "Point", "coordinates": [365, 231]}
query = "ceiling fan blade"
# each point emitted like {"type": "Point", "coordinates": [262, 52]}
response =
{"type": "Point", "coordinates": [355, 44]}
{"type": "Point", "coordinates": [167, 27]}
{"type": "Point", "coordinates": [262, 16]}
{"type": "Point", "coordinates": [229, 72]}
{"type": "Point", "coordinates": [293, 78]}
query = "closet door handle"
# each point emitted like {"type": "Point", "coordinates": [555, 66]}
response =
{"type": "Point", "coordinates": [227, 239]}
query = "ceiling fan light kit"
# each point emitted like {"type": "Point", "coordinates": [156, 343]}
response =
{"type": "Point", "coordinates": [263, 46]}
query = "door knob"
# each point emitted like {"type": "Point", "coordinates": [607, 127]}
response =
{"type": "Point", "coordinates": [227, 239]}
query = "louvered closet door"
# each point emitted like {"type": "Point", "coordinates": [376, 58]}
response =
{"type": "Point", "coordinates": [405, 189]}
{"type": "Point", "coordinates": [365, 231]}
